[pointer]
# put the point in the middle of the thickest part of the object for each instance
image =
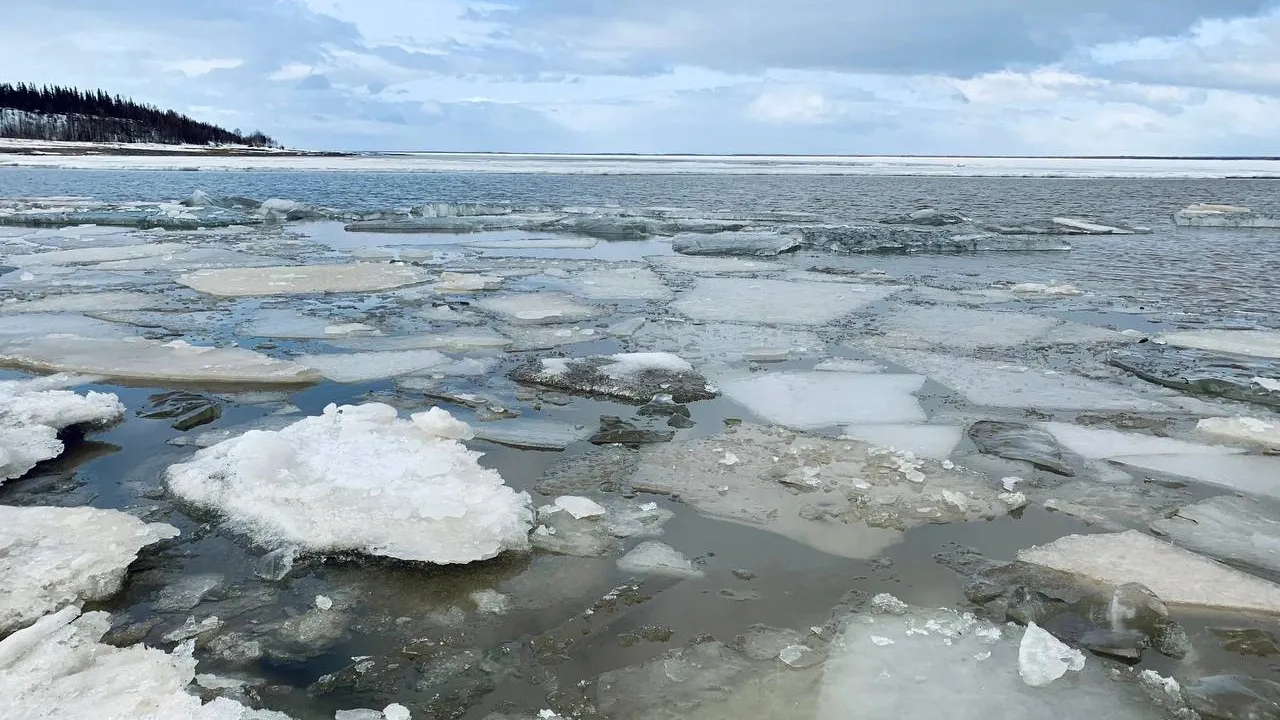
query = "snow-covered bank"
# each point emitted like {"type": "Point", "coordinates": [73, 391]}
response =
{"type": "Point", "coordinates": [199, 158]}
{"type": "Point", "coordinates": [63, 147]}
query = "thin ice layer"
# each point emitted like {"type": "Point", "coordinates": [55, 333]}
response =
{"type": "Point", "coordinates": [1236, 530]}
{"type": "Point", "coordinates": [758, 301]}
{"type": "Point", "coordinates": [964, 328]}
{"type": "Point", "coordinates": [1245, 473]}
{"type": "Point", "coordinates": [1102, 443]}
{"type": "Point", "coordinates": [365, 367]}
{"type": "Point", "coordinates": [623, 283]}
{"type": "Point", "coordinates": [58, 670]}
{"type": "Point", "coordinates": [32, 412]}
{"type": "Point", "coordinates": [543, 308]}
{"type": "Point", "coordinates": [996, 384]}
{"type": "Point", "coordinates": [1255, 343]}
{"type": "Point", "coordinates": [911, 666]}
{"type": "Point", "coordinates": [51, 557]}
{"type": "Point", "coordinates": [533, 433]}
{"type": "Point", "coordinates": [142, 359]}
{"type": "Point", "coordinates": [288, 280]}
{"type": "Point", "coordinates": [811, 400]}
{"type": "Point", "coordinates": [358, 479]}
{"type": "Point", "coordinates": [1177, 576]}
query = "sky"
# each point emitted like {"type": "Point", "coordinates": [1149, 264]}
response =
{"type": "Point", "coordinates": [980, 77]}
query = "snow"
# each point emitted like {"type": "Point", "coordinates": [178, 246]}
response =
{"type": "Point", "coordinates": [762, 301]}
{"type": "Point", "coordinates": [1177, 576]}
{"type": "Point", "coordinates": [541, 308]}
{"type": "Point", "coordinates": [32, 412]}
{"type": "Point", "coordinates": [51, 557]}
{"type": "Point", "coordinates": [812, 400]}
{"type": "Point", "coordinates": [912, 666]}
{"type": "Point", "coordinates": [584, 164]}
{"type": "Point", "coordinates": [1104, 444]}
{"type": "Point", "coordinates": [1256, 343]}
{"type": "Point", "coordinates": [288, 280]}
{"type": "Point", "coordinates": [996, 384]}
{"type": "Point", "coordinates": [58, 670]}
{"type": "Point", "coordinates": [1042, 658]}
{"type": "Point", "coordinates": [929, 441]}
{"type": "Point", "coordinates": [141, 359]}
{"type": "Point", "coordinates": [1238, 530]}
{"type": "Point", "coordinates": [366, 367]}
{"type": "Point", "coordinates": [359, 479]}
{"type": "Point", "coordinates": [655, 558]}
{"type": "Point", "coordinates": [1243, 430]}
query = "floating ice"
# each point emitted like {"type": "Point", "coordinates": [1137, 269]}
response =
{"type": "Point", "coordinates": [453, 341]}
{"type": "Point", "coordinates": [909, 666]}
{"type": "Point", "coordinates": [628, 376]}
{"type": "Point", "coordinates": [1245, 473]}
{"type": "Point", "coordinates": [1050, 289]}
{"type": "Point", "coordinates": [18, 327]}
{"type": "Point", "coordinates": [1255, 343]}
{"type": "Point", "coordinates": [1246, 430]}
{"type": "Point", "coordinates": [1236, 530]}
{"type": "Point", "coordinates": [984, 382]}
{"type": "Point", "coordinates": [541, 308]}
{"type": "Point", "coordinates": [1177, 576]}
{"type": "Point", "coordinates": [623, 283]}
{"type": "Point", "coordinates": [32, 413]}
{"type": "Point", "coordinates": [712, 265]}
{"type": "Point", "coordinates": [1103, 444]}
{"type": "Point", "coordinates": [759, 244]}
{"type": "Point", "coordinates": [82, 256]}
{"type": "Point", "coordinates": [1226, 216]}
{"type": "Point", "coordinates": [290, 324]}
{"type": "Point", "coordinates": [723, 343]}
{"type": "Point", "coordinates": [51, 557]}
{"type": "Point", "coordinates": [655, 558]}
{"type": "Point", "coordinates": [359, 277]}
{"type": "Point", "coordinates": [579, 507]}
{"type": "Point", "coordinates": [359, 479]}
{"type": "Point", "coordinates": [141, 359]}
{"type": "Point", "coordinates": [89, 302]}
{"type": "Point", "coordinates": [811, 400]}
{"type": "Point", "coordinates": [1042, 658]}
{"type": "Point", "coordinates": [57, 668]}
{"type": "Point", "coordinates": [929, 441]}
{"type": "Point", "coordinates": [365, 367]}
{"type": "Point", "coordinates": [533, 433]}
{"type": "Point", "coordinates": [741, 300]}
{"type": "Point", "coordinates": [1087, 227]}
{"type": "Point", "coordinates": [920, 327]}
{"type": "Point", "coordinates": [453, 282]}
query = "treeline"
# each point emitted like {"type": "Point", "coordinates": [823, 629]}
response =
{"type": "Point", "coordinates": [63, 113]}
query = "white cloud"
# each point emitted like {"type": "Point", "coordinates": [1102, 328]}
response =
{"type": "Point", "coordinates": [196, 68]}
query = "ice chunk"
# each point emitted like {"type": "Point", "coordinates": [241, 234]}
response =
{"type": "Point", "coordinates": [453, 282]}
{"type": "Point", "coordinates": [1086, 227]}
{"type": "Point", "coordinates": [88, 302]}
{"type": "Point", "coordinates": [984, 382]}
{"type": "Point", "coordinates": [742, 300]}
{"type": "Point", "coordinates": [909, 666]}
{"type": "Point", "coordinates": [542, 308]}
{"type": "Point", "coordinates": [1177, 576]}
{"type": "Point", "coordinates": [1255, 343]}
{"type": "Point", "coordinates": [759, 244]}
{"type": "Point", "coordinates": [655, 558]}
{"type": "Point", "coordinates": [359, 479]}
{"type": "Point", "coordinates": [287, 280]}
{"type": "Point", "coordinates": [33, 412]}
{"type": "Point", "coordinates": [628, 376]}
{"type": "Point", "coordinates": [1245, 473]}
{"type": "Point", "coordinates": [81, 256]}
{"type": "Point", "coordinates": [1042, 658]}
{"type": "Point", "coordinates": [533, 433]}
{"type": "Point", "coordinates": [579, 507]}
{"type": "Point", "coordinates": [364, 367]}
{"type": "Point", "coordinates": [290, 324]}
{"type": "Point", "coordinates": [51, 557]}
{"type": "Point", "coordinates": [57, 668]}
{"type": "Point", "coordinates": [141, 359]}
{"type": "Point", "coordinates": [1019, 441]}
{"type": "Point", "coordinates": [807, 401]}
{"type": "Point", "coordinates": [917, 327]}
{"type": "Point", "coordinates": [623, 283]}
{"type": "Point", "coordinates": [1049, 289]}
{"type": "Point", "coordinates": [597, 535]}
{"type": "Point", "coordinates": [1236, 530]}
{"type": "Point", "coordinates": [723, 343]}
{"type": "Point", "coordinates": [1102, 444]}
{"type": "Point", "coordinates": [1245, 430]}
{"type": "Point", "coordinates": [1227, 216]}
{"type": "Point", "coordinates": [187, 592]}
{"type": "Point", "coordinates": [929, 441]}
{"type": "Point", "coordinates": [1199, 371]}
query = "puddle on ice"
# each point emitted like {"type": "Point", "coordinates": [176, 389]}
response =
{"type": "Point", "coordinates": [790, 447]}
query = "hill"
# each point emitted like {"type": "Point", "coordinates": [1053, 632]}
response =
{"type": "Point", "coordinates": [56, 113]}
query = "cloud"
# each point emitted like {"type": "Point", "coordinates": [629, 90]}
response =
{"type": "Point", "coordinates": [805, 76]}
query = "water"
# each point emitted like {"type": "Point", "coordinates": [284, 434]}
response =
{"type": "Point", "coordinates": [431, 647]}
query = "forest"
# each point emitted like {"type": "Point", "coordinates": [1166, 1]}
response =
{"type": "Point", "coordinates": [33, 112]}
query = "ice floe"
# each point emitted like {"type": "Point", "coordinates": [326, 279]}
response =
{"type": "Point", "coordinates": [303, 279]}
{"type": "Point", "coordinates": [1042, 658]}
{"type": "Point", "coordinates": [290, 324]}
{"type": "Point", "coordinates": [365, 367]}
{"type": "Point", "coordinates": [1244, 473]}
{"type": "Point", "coordinates": [1256, 343]}
{"type": "Point", "coordinates": [963, 328]}
{"type": "Point", "coordinates": [764, 301]}
{"type": "Point", "coordinates": [32, 412]}
{"type": "Point", "coordinates": [1244, 430]}
{"type": "Point", "coordinates": [723, 344]}
{"type": "Point", "coordinates": [812, 400]}
{"type": "Point", "coordinates": [635, 377]}
{"type": "Point", "coordinates": [655, 558]}
{"type": "Point", "coordinates": [51, 557]}
{"type": "Point", "coordinates": [927, 441]}
{"type": "Point", "coordinates": [1223, 216]}
{"type": "Point", "coordinates": [58, 668]}
{"type": "Point", "coordinates": [533, 433]}
{"type": "Point", "coordinates": [358, 479]}
{"type": "Point", "coordinates": [142, 359]}
{"type": "Point", "coordinates": [1237, 530]}
{"type": "Point", "coordinates": [1178, 576]}
{"type": "Point", "coordinates": [621, 283]}
{"type": "Point", "coordinates": [541, 308]}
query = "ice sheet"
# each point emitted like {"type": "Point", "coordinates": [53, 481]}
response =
{"type": "Point", "coordinates": [1103, 444]}
{"type": "Point", "coordinates": [812, 400]}
{"type": "Point", "coordinates": [757, 301]}
{"type": "Point", "coordinates": [358, 277]}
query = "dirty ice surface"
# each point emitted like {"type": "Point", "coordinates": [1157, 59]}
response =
{"type": "Point", "coordinates": [515, 460]}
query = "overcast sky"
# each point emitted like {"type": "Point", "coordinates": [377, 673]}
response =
{"type": "Point", "coordinates": [769, 76]}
